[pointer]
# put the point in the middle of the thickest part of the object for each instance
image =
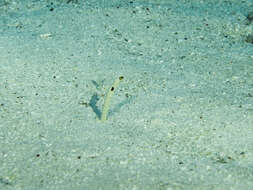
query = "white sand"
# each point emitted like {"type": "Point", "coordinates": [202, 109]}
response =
{"type": "Point", "coordinates": [182, 118]}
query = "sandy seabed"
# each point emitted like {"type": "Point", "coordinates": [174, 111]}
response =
{"type": "Point", "coordinates": [182, 118]}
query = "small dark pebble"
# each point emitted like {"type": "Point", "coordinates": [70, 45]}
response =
{"type": "Point", "coordinates": [249, 39]}
{"type": "Point", "coordinates": [250, 16]}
